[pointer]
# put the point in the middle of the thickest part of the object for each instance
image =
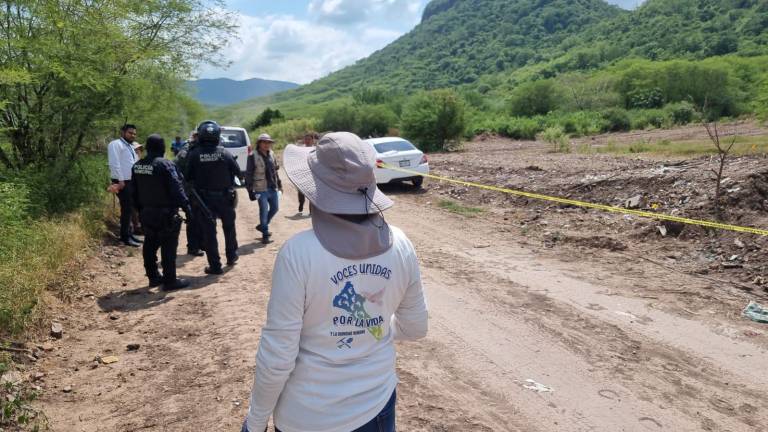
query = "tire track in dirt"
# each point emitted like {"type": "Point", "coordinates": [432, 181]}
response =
{"type": "Point", "coordinates": [654, 380]}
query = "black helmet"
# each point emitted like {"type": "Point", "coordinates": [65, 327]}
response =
{"type": "Point", "coordinates": [209, 133]}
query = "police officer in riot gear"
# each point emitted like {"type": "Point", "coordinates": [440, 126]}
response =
{"type": "Point", "coordinates": [158, 194]}
{"type": "Point", "coordinates": [212, 171]}
{"type": "Point", "coordinates": [194, 230]}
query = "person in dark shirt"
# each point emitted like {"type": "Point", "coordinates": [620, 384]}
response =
{"type": "Point", "coordinates": [263, 183]}
{"type": "Point", "coordinates": [194, 230]}
{"type": "Point", "coordinates": [212, 170]}
{"type": "Point", "coordinates": [158, 194]}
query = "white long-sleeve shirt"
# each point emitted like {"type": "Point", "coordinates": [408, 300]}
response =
{"type": "Point", "coordinates": [326, 359]}
{"type": "Point", "coordinates": [121, 157]}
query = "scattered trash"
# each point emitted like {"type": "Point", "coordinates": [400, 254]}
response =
{"type": "Point", "coordinates": [755, 312]}
{"type": "Point", "coordinates": [634, 202]}
{"type": "Point", "coordinates": [537, 387]}
{"type": "Point", "coordinates": [57, 330]}
{"type": "Point", "coordinates": [108, 360]}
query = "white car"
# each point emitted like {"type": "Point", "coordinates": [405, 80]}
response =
{"type": "Point", "coordinates": [237, 142]}
{"type": "Point", "coordinates": [400, 153]}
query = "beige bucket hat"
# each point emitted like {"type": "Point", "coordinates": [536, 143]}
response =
{"type": "Point", "coordinates": [337, 175]}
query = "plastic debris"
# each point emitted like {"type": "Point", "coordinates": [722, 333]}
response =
{"type": "Point", "coordinates": [108, 360]}
{"type": "Point", "coordinates": [537, 387]}
{"type": "Point", "coordinates": [756, 312]}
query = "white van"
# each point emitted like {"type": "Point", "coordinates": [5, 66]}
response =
{"type": "Point", "coordinates": [237, 142]}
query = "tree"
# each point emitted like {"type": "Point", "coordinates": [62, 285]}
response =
{"type": "Point", "coordinates": [723, 150]}
{"type": "Point", "coordinates": [70, 70]}
{"type": "Point", "coordinates": [433, 119]}
{"type": "Point", "coordinates": [266, 118]}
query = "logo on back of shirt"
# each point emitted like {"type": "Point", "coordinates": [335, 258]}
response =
{"type": "Point", "coordinates": [358, 317]}
{"type": "Point", "coordinates": [143, 169]}
{"type": "Point", "coordinates": [211, 157]}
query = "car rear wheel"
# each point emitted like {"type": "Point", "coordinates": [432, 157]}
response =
{"type": "Point", "coordinates": [418, 181]}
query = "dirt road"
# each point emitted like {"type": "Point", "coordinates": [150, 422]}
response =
{"type": "Point", "coordinates": [520, 340]}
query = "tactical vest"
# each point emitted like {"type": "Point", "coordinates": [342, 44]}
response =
{"type": "Point", "coordinates": [152, 187]}
{"type": "Point", "coordinates": [212, 170]}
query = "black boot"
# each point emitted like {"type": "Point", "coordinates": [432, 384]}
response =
{"type": "Point", "coordinates": [175, 285]}
{"type": "Point", "coordinates": [214, 270]}
{"type": "Point", "coordinates": [155, 281]}
{"type": "Point", "coordinates": [195, 252]}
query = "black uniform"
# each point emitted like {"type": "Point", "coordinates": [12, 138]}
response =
{"type": "Point", "coordinates": [158, 194]}
{"type": "Point", "coordinates": [211, 170]}
{"type": "Point", "coordinates": [194, 229]}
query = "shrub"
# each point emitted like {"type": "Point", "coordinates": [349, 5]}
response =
{"type": "Point", "coordinates": [374, 121]}
{"type": "Point", "coordinates": [433, 119]}
{"type": "Point", "coordinates": [557, 138]}
{"type": "Point", "coordinates": [534, 98]}
{"type": "Point", "coordinates": [617, 120]}
{"type": "Point", "coordinates": [521, 128]}
{"type": "Point", "coordinates": [339, 118]}
{"type": "Point", "coordinates": [579, 123]}
{"type": "Point", "coordinates": [680, 113]}
{"type": "Point", "coordinates": [645, 119]}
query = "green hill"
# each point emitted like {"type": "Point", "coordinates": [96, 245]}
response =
{"type": "Point", "coordinates": [492, 46]}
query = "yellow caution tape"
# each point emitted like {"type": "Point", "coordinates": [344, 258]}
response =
{"type": "Point", "coordinates": [613, 209]}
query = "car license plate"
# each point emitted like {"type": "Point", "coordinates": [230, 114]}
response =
{"type": "Point", "coordinates": [405, 163]}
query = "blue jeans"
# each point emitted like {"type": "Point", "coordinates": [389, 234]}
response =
{"type": "Point", "coordinates": [383, 422]}
{"type": "Point", "coordinates": [268, 206]}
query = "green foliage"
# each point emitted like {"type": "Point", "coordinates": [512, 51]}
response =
{"type": "Point", "coordinates": [374, 121]}
{"type": "Point", "coordinates": [265, 119]}
{"type": "Point", "coordinates": [534, 98]}
{"type": "Point", "coordinates": [454, 207]}
{"type": "Point", "coordinates": [648, 119]}
{"type": "Point", "coordinates": [47, 219]}
{"type": "Point", "coordinates": [288, 131]}
{"type": "Point", "coordinates": [73, 72]}
{"type": "Point", "coordinates": [617, 120]}
{"type": "Point", "coordinates": [434, 119]}
{"type": "Point", "coordinates": [681, 113]}
{"type": "Point", "coordinates": [342, 117]}
{"type": "Point", "coordinates": [556, 137]}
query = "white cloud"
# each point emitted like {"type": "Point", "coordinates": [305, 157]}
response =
{"type": "Point", "coordinates": [353, 12]}
{"type": "Point", "coordinates": [282, 47]}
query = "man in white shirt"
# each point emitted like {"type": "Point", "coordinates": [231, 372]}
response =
{"type": "Point", "coordinates": [342, 293]}
{"type": "Point", "coordinates": [122, 156]}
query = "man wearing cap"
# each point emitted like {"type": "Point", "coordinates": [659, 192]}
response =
{"type": "Point", "coordinates": [263, 183]}
{"type": "Point", "coordinates": [342, 293]}
{"type": "Point", "coordinates": [158, 194]}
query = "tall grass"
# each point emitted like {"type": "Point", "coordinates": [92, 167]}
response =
{"type": "Point", "coordinates": [48, 216]}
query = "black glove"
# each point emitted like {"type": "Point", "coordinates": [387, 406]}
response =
{"type": "Point", "coordinates": [252, 195]}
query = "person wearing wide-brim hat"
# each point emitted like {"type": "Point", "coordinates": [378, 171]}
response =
{"type": "Point", "coordinates": [262, 180]}
{"type": "Point", "coordinates": [342, 292]}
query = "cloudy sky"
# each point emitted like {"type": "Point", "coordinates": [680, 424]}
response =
{"type": "Point", "coordinates": [302, 40]}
